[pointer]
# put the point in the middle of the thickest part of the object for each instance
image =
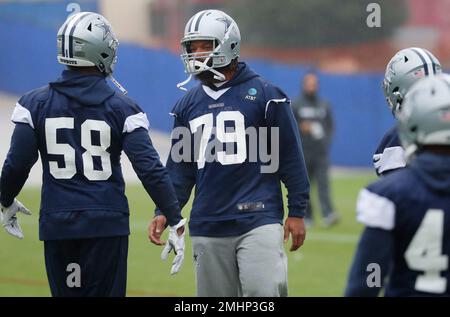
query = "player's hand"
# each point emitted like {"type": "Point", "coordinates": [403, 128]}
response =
{"type": "Point", "coordinates": [175, 242]}
{"type": "Point", "coordinates": [9, 219]}
{"type": "Point", "coordinates": [156, 229]}
{"type": "Point", "coordinates": [296, 228]}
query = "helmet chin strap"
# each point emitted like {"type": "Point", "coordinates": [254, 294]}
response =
{"type": "Point", "coordinates": [116, 83]}
{"type": "Point", "coordinates": [217, 75]}
{"type": "Point", "coordinates": [184, 83]}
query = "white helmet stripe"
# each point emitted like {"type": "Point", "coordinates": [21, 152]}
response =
{"type": "Point", "coordinates": [189, 24]}
{"type": "Point", "coordinates": [197, 23]}
{"type": "Point", "coordinates": [76, 17]}
{"type": "Point", "coordinates": [63, 38]}
{"type": "Point", "coordinates": [428, 59]}
{"type": "Point", "coordinates": [71, 34]}
{"type": "Point", "coordinates": [194, 21]}
{"type": "Point", "coordinates": [433, 64]}
{"type": "Point", "coordinates": [423, 58]}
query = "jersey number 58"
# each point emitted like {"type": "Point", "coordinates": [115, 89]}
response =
{"type": "Point", "coordinates": [51, 127]}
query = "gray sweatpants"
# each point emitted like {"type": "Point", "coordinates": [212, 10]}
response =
{"type": "Point", "coordinates": [318, 170]}
{"type": "Point", "coordinates": [253, 264]}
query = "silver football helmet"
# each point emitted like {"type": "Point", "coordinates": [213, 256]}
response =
{"type": "Point", "coordinates": [425, 115]}
{"type": "Point", "coordinates": [222, 30]}
{"type": "Point", "coordinates": [403, 70]}
{"type": "Point", "coordinates": [87, 39]}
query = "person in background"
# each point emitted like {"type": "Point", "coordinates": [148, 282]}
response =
{"type": "Point", "coordinates": [315, 122]}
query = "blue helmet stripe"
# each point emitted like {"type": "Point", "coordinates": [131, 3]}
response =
{"type": "Point", "coordinates": [198, 21]}
{"type": "Point", "coordinates": [432, 61]}
{"type": "Point", "coordinates": [71, 33]}
{"type": "Point", "coordinates": [189, 25]}
{"type": "Point", "coordinates": [425, 65]}
{"type": "Point", "coordinates": [63, 40]}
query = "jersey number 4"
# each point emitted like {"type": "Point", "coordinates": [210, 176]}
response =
{"type": "Point", "coordinates": [424, 253]}
{"type": "Point", "coordinates": [51, 127]}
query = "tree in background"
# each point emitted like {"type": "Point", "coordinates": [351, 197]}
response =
{"type": "Point", "coordinates": [313, 23]}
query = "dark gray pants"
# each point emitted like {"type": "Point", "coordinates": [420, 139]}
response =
{"type": "Point", "coordinates": [318, 172]}
{"type": "Point", "coordinates": [253, 264]}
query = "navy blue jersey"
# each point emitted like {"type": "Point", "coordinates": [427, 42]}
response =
{"type": "Point", "coordinates": [408, 213]}
{"type": "Point", "coordinates": [389, 155]}
{"type": "Point", "coordinates": [232, 194]}
{"type": "Point", "coordinates": [80, 126]}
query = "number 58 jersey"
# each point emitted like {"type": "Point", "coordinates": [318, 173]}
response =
{"type": "Point", "coordinates": [80, 124]}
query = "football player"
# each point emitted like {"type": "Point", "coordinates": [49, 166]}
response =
{"type": "Point", "coordinates": [80, 126]}
{"type": "Point", "coordinates": [407, 213]}
{"type": "Point", "coordinates": [236, 221]}
{"type": "Point", "coordinates": [403, 70]}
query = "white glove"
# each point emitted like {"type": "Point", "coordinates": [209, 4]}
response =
{"type": "Point", "coordinates": [175, 242]}
{"type": "Point", "coordinates": [9, 220]}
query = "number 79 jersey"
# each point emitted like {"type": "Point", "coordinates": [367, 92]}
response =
{"type": "Point", "coordinates": [80, 147]}
{"type": "Point", "coordinates": [413, 204]}
{"type": "Point", "coordinates": [243, 141]}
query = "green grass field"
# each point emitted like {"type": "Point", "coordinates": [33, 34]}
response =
{"type": "Point", "coordinates": [319, 268]}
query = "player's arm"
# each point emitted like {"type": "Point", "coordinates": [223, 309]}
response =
{"type": "Point", "coordinates": [22, 155]}
{"type": "Point", "coordinates": [181, 173]}
{"type": "Point", "coordinates": [371, 263]}
{"type": "Point", "coordinates": [377, 213]}
{"type": "Point", "coordinates": [138, 146]}
{"type": "Point", "coordinates": [292, 169]}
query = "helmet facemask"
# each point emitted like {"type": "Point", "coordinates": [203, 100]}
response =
{"type": "Point", "coordinates": [224, 49]}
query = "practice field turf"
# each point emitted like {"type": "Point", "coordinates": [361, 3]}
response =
{"type": "Point", "coordinates": [319, 268]}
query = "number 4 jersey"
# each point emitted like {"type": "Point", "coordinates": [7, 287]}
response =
{"type": "Point", "coordinates": [80, 127]}
{"type": "Point", "coordinates": [413, 204]}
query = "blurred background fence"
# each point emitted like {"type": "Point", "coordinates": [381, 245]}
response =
{"type": "Point", "coordinates": [350, 67]}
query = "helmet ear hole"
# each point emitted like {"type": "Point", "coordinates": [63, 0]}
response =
{"type": "Point", "coordinates": [233, 45]}
{"type": "Point", "coordinates": [104, 55]}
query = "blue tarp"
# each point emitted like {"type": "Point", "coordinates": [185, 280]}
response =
{"type": "Point", "coordinates": [28, 60]}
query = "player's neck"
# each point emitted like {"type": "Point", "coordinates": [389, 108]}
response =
{"type": "Point", "coordinates": [86, 70]}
